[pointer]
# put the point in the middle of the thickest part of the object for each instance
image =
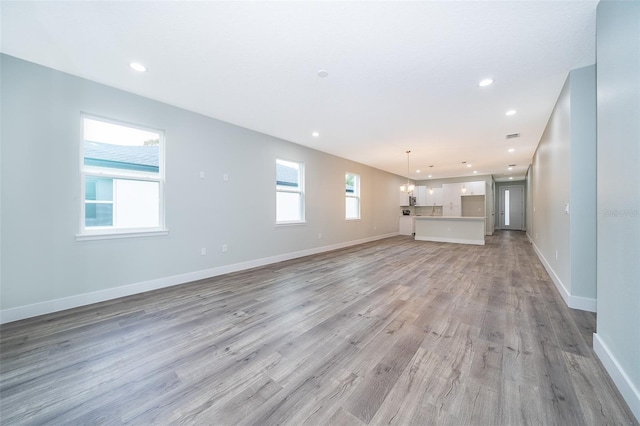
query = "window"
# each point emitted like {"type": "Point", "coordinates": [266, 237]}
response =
{"type": "Point", "coordinates": [507, 213]}
{"type": "Point", "coordinates": [122, 178]}
{"type": "Point", "coordinates": [352, 200]}
{"type": "Point", "coordinates": [289, 191]}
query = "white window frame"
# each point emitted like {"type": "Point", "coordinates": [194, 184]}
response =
{"type": "Point", "coordinates": [355, 195]}
{"type": "Point", "coordinates": [300, 191]}
{"type": "Point", "coordinates": [109, 232]}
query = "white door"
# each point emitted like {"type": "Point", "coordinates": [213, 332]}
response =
{"type": "Point", "coordinates": [512, 207]}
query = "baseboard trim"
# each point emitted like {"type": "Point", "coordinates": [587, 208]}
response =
{"type": "Point", "coordinates": [583, 303]}
{"type": "Point", "coordinates": [574, 302]}
{"type": "Point", "coordinates": [56, 305]}
{"type": "Point", "coordinates": [623, 382]}
{"type": "Point", "coordinates": [451, 240]}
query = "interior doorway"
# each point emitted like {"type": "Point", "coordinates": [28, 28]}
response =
{"type": "Point", "coordinates": [512, 207]}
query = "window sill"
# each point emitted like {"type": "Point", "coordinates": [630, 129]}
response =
{"type": "Point", "coordinates": [355, 219]}
{"type": "Point", "coordinates": [296, 223]}
{"type": "Point", "coordinates": [121, 234]}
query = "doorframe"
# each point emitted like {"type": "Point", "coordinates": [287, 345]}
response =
{"type": "Point", "coordinates": [500, 197]}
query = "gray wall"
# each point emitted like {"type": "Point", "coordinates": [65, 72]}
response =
{"type": "Point", "coordinates": [42, 261]}
{"type": "Point", "coordinates": [529, 201]}
{"type": "Point", "coordinates": [550, 190]}
{"type": "Point", "coordinates": [618, 212]}
{"type": "Point", "coordinates": [583, 182]}
{"type": "Point", "coordinates": [563, 174]}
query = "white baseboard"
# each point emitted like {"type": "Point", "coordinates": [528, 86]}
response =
{"type": "Point", "coordinates": [50, 306]}
{"type": "Point", "coordinates": [451, 240]}
{"type": "Point", "coordinates": [574, 302]}
{"type": "Point", "coordinates": [626, 387]}
{"type": "Point", "coordinates": [583, 303]}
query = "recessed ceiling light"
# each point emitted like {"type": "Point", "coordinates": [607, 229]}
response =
{"type": "Point", "coordinates": [485, 82]}
{"type": "Point", "coordinates": [429, 176]}
{"type": "Point", "coordinates": [512, 150]}
{"type": "Point", "coordinates": [138, 67]}
{"type": "Point", "coordinates": [475, 172]}
{"type": "Point", "coordinates": [468, 165]}
{"type": "Point", "coordinates": [315, 134]}
{"type": "Point", "coordinates": [510, 168]}
{"type": "Point", "coordinates": [418, 171]}
{"type": "Point", "coordinates": [510, 112]}
{"type": "Point", "coordinates": [511, 178]}
{"type": "Point", "coordinates": [323, 73]}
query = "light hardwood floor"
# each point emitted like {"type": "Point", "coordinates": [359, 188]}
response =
{"type": "Point", "coordinates": [390, 332]}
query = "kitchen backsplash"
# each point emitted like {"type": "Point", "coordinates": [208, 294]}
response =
{"type": "Point", "coordinates": [429, 211]}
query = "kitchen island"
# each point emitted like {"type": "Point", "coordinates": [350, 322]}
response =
{"type": "Point", "coordinates": [450, 229]}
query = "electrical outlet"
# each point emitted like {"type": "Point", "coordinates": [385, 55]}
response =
{"type": "Point", "coordinates": [225, 248]}
{"type": "Point", "coordinates": [201, 175]}
{"type": "Point", "coordinates": [319, 235]}
{"type": "Point", "coordinates": [203, 251]}
{"type": "Point", "coordinates": [225, 177]}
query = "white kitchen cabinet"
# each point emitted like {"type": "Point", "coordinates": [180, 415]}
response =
{"type": "Point", "coordinates": [421, 196]}
{"type": "Point", "coordinates": [433, 197]}
{"type": "Point", "coordinates": [474, 188]}
{"type": "Point", "coordinates": [406, 225]}
{"type": "Point", "coordinates": [404, 199]}
{"type": "Point", "coordinates": [451, 199]}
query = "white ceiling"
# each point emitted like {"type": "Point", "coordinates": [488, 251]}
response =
{"type": "Point", "coordinates": [402, 75]}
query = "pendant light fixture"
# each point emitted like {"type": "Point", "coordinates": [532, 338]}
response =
{"type": "Point", "coordinates": [408, 188]}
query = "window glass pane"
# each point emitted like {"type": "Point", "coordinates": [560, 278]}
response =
{"type": "Point", "coordinates": [352, 190]}
{"type": "Point", "coordinates": [97, 188]}
{"type": "Point", "coordinates": [287, 175]}
{"type": "Point", "coordinates": [138, 204]}
{"type": "Point", "coordinates": [122, 176]}
{"type": "Point", "coordinates": [351, 183]}
{"type": "Point", "coordinates": [98, 214]}
{"type": "Point", "coordinates": [353, 208]}
{"type": "Point", "coordinates": [288, 206]}
{"type": "Point", "coordinates": [90, 189]}
{"type": "Point", "coordinates": [120, 147]}
{"type": "Point", "coordinates": [507, 211]}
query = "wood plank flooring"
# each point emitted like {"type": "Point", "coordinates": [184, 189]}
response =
{"type": "Point", "coordinates": [390, 332]}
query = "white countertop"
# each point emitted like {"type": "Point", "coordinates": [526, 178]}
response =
{"type": "Point", "coordinates": [449, 217]}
